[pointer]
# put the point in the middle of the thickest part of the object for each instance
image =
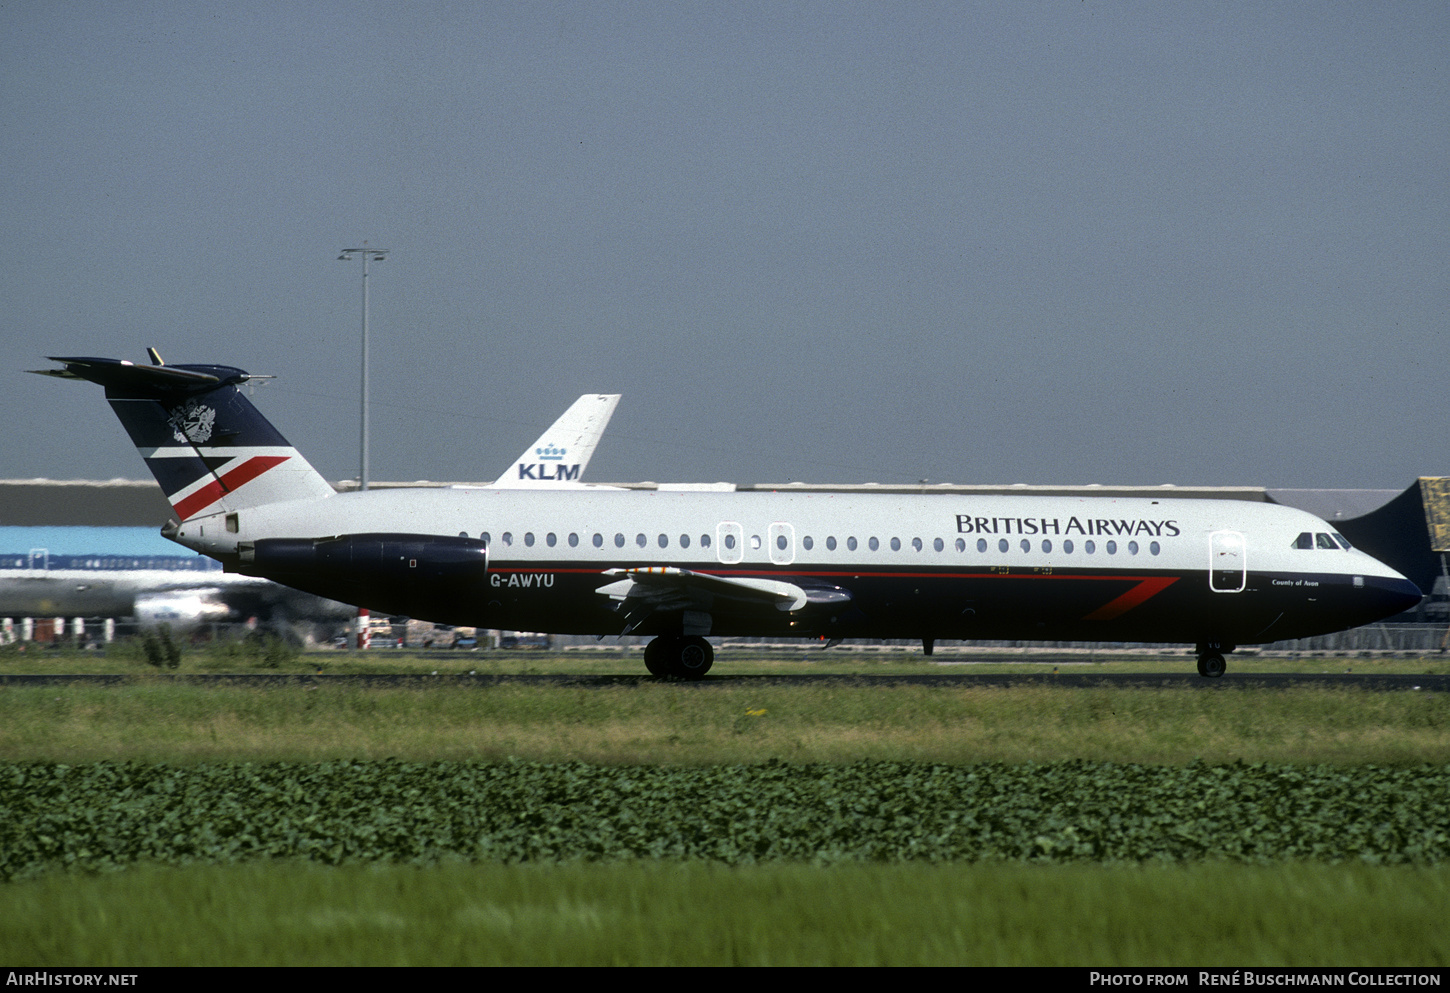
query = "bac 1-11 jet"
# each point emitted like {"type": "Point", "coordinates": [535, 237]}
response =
{"type": "Point", "coordinates": [683, 565]}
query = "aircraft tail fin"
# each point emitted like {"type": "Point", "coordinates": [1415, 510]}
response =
{"type": "Point", "coordinates": [560, 455]}
{"type": "Point", "coordinates": [208, 447]}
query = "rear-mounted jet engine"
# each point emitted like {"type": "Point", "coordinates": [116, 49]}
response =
{"type": "Point", "coordinates": [412, 575]}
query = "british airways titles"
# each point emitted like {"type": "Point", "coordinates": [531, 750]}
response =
{"type": "Point", "coordinates": [967, 524]}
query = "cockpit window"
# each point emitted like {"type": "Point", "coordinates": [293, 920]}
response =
{"type": "Point", "coordinates": [1343, 541]}
{"type": "Point", "coordinates": [1324, 541]}
{"type": "Point", "coordinates": [1305, 540]}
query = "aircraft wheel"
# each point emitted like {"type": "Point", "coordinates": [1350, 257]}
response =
{"type": "Point", "coordinates": [1211, 665]}
{"type": "Point", "coordinates": [691, 657]}
{"type": "Point", "coordinates": [655, 654]}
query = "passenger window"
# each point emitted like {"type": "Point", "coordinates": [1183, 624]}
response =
{"type": "Point", "coordinates": [551, 539]}
{"type": "Point", "coordinates": [641, 540]}
{"type": "Point", "coordinates": [1067, 546]}
{"type": "Point", "coordinates": [981, 544]}
{"type": "Point", "coordinates": [874, 544]}
{"type": "Point", "coordinates": [704, 541]}
{"type": "Point", "coordinates": [1002, 545]}
{"type": "Point", "coordinates": [1324, 541]}
{"type": "Point", "coordinates": [850, 544]}
{"type": "Point", "coordinates": [755, 542]}
{"type": "Point", "coordinates": [916, 544]}
{"type": "Point", "coordinates": [1046, 545]}
{"type": "Point", "coordinates": [508, 538]}
{"type": "Point", "coordinates": [1132, 548]}
{"type": "Point", "coordinates": [1155, 548]}
{"type": "Point", "coordinates": [483, 536]}
{"type": "Point", "coordinates": [1305, 540]}
{"type": "Point", "coordinates": [618, 540]}
{"type": "Point", "coordinates": [1112, 548]}
{"type": "Point", "coordinates": [729, 541]}
{"type": "Point", "coordinates": [896, 544]}
{"type": "Point", "coordinates": [1089, 546]}
{"type": "Point", "coordinates": [684, 541]}
{"type": "Point", "coordinates": [598, 540]}
{"type": "Point", "coordinates": [807, 542]}
{"type": "Point", "coordinates": [780, 542]}
{"type": "Point", "coordinates": [573, 539]}
{"type": "Point", "coordinates": [1026, 545]}
{"type": "Point", "coordinates": [937, 544]}
{"type": "Point", "coordinates": [831, 543]}
{"type": "Point", "coordinates": [664, 541]}
{"type": "Point", "coordinates": [528, 539]}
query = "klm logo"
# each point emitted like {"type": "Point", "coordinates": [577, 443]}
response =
{"type": "Point", "coordinates": [550, 465]}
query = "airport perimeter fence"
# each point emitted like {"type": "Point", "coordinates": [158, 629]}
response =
{"type": "Point", "coordinates": [94, 633]}
{"type": "Point", "coordinates": [1400, 638]}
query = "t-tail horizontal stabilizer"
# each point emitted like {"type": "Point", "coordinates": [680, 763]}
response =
{"type": "Point", "coordinates": [208, 447]}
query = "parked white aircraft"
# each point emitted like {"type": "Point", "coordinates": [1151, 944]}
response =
{"type": "Point", "coordinates": [684, 565]}
{"type": "Point", "coordinates": [182, 591]}
{"type": "Point", "coordinates": [562, 453]}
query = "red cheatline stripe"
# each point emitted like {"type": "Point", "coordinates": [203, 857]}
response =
{"type": "Point", "coordinates": [212, 492]}
{"type": "Point", "coordinates": [1121, 605]}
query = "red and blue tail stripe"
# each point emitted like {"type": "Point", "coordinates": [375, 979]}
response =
{"type": "Point", "coordinates": [207, 446]}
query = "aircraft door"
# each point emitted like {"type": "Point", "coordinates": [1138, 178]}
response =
{"type": "Point", "coordinates": [1227, 569]}
{"type": "Point", "coordinates": [40, 558]}
{"type": "Point", "coordinates": [782, 544]}
{"type": "Point", "coordinates": [730, 542]}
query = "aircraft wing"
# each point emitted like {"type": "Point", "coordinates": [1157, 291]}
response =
{"type": "Point", "coordinates": [647, 591]}
{"type": "Point", "coordinates": [559, 456]}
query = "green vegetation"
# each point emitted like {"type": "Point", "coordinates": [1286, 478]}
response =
{"type": "Point", "coordinates": [836, 822]}
{"type": "Point", "coordinates": [105, 815]}
{"type": "Point", "coordinates": [162, 651]}
{"type": "Point", "coordinates": [671, 913]}
{"type": "Point", "coordinates": [669, 723]}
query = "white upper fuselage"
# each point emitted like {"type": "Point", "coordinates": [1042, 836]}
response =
{"type": "Point", "coordinates": [614, 528]}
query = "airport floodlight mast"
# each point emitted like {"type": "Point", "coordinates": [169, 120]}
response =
{"type": "Point", "coordinates": [367, 255]}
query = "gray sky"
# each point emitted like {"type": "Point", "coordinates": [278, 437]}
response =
{"type": "Point", "coordinates": [834, 242]}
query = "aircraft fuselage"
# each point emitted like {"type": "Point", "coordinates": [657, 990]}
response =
{"type": "Point", "coordinates": [878, 566]}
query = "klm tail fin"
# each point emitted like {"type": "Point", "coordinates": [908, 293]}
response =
{"type": "Point", "coordinates": [208, 447]}
{"type": "Point", "coordinates": [562, 453]}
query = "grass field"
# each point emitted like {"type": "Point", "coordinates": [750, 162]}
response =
{"type": "Point", "coordinates": [645, 912]}
{"type": "Point", "coordinates": [672, 723]}
{"type": "Point", "coordinates": [661, 913]}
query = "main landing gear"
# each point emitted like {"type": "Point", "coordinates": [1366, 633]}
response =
{"type": "Point", "coordinates": [687, 657]}
{"type": "Point", "coordinates": [1211, 664]}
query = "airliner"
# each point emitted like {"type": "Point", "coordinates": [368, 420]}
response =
{"type": "Point", "coordinates": [112, 574]}
{"type": "Point", "coordinates": [181, 591]}
{"type": "Point", "coordinates": [682, 565]}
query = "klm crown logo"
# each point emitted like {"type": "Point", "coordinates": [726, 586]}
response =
{"type": "Point", "coordinates": [550, 466]}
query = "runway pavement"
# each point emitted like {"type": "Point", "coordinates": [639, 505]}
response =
{"type": "Point", "coordinates": [1188, 682]}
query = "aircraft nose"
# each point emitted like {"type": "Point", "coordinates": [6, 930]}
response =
{"type": "Point", "coordinates": [1380, 597]}
{"type": "Point", "coordinates": [1398, 595]}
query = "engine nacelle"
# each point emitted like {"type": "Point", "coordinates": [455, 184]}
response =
{"type": "Point", "coordinates": [430, 577]}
